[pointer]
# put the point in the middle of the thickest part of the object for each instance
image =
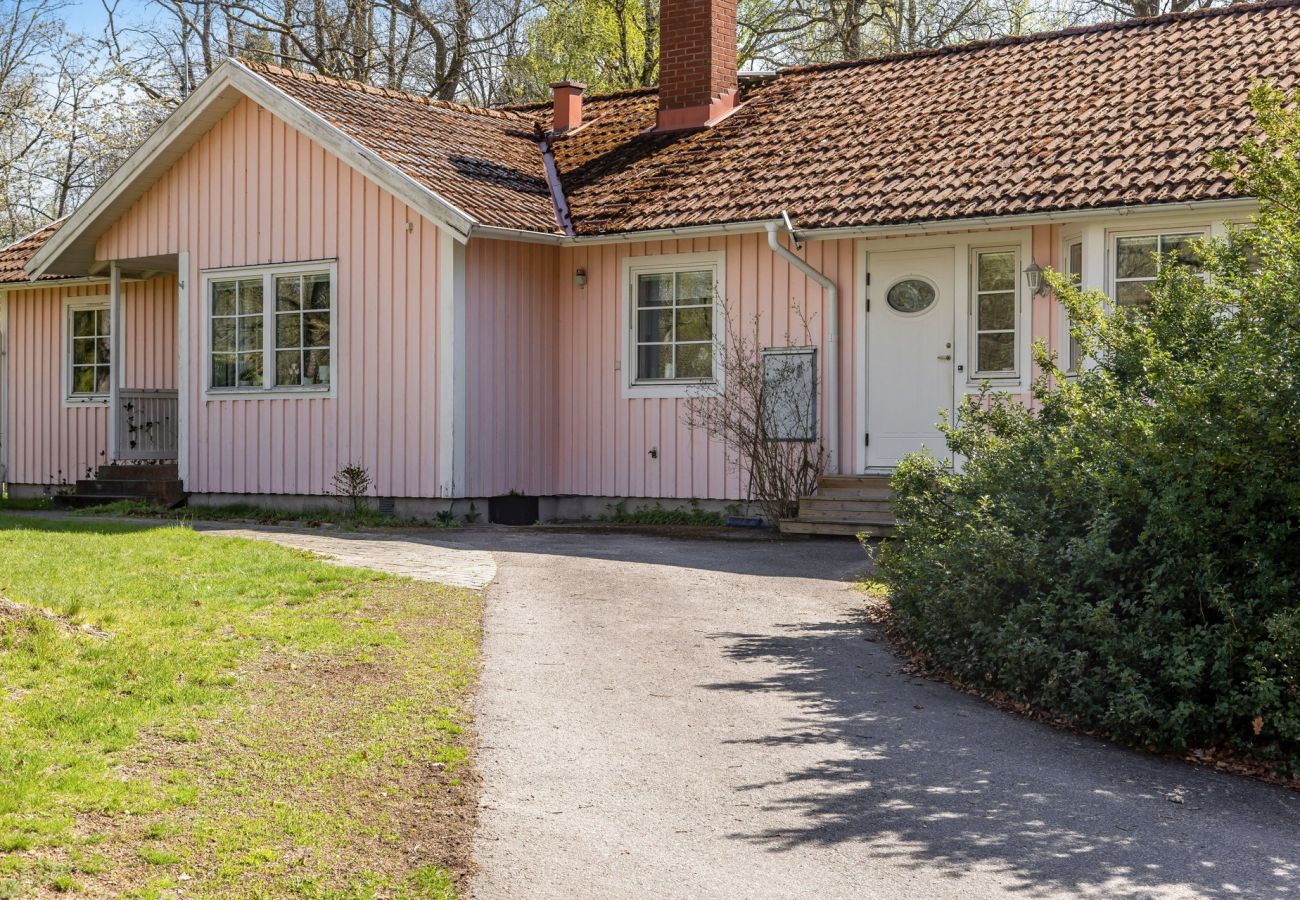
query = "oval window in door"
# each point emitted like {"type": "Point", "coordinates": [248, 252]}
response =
{"type": "Point", "coordinates": [911, 295]}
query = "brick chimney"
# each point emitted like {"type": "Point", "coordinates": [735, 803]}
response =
{"type": "Point", "coordinates": [697, 62]}
{"type": "Point", "coordinates": [566, 107]}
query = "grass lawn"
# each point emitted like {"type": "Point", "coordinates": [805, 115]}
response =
{"type": "Point", "coordinates": [227, 717]}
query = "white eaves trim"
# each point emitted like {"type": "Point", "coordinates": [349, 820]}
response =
{"type": "Point", "coordinates": [67, 252]}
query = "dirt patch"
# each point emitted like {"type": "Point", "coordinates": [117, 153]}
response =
{"type": "Point", "coordinates": [17, 612]}
{"type": "Point", "coordinates": [338, 774]}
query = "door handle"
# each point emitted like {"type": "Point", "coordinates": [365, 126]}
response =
{"type": "Point", "coordinates": [946, 356]}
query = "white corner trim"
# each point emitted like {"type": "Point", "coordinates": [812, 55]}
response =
{"type": "Point", "coordinates": [452, 367]}
{"type": "Point", "coordinates": [629, 386]}
{"type": "Point", "coordinates": [4, 388]}
{"type": "Point", "coordinates": [183, 367]}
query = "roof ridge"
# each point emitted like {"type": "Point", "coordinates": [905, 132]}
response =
{"type": "Point", "coordinates": [601, 95]}
{"type": "Point", "coordinates": [258, 66]}
{"type": "Point", "coordinates": [1041, 36]}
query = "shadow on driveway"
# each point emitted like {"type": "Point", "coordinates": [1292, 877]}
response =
{"type": "Point", "coordinates": [935, 780]}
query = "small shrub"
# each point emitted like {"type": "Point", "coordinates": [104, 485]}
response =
{"type": "Point", "coordinates": [1127, 553]}
{"type": "Point", "coordinates": [352, 484]}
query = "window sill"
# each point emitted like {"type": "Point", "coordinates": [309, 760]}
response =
{"type": "Point", "coordinates": [79, 402]}
{"type": "Point", "coordinates": [669, 390]}
{"type": "Point", "coordinates": [302, 393]}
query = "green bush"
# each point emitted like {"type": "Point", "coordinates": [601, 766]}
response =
{"type": "Point", "coordinates": [1127, 552]}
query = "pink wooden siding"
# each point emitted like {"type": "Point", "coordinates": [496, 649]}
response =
{"type": "Point", "coordinates": [51, 443]}
{"type": "Point", "coordinates": [255, 191]}
{"type": "Point", "coordinates": [605, 439]}
{"type": "Point", "coordinates": [511, 390]}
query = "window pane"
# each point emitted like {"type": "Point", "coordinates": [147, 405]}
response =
{"type": "Point", "coordinates": [317, 370]}
{"type": "Point", "coordinates": [288, 294]}
{"type": "Point", "coordinates": [223, 298]}
{"type": "Point", "coordinates": [1181, 246]}
{"type": "Point", "coordinates": [288, 367]}
{"type": "Point", "coordinates": [316, 329]}
{"type": "Point", "coordinates": [1074, 263]}
{"type": "Point", "coordinates": [654, 290]}
{"type": "Point", "coordinates": [695, 324]}
{"type": "Point", "coordinates": [103, 322]}
{"type": "Point", "coordinates": [223, 334]}
{"type": "Point", "coordinates": [997, 311]}
{"type": "Point", "coordinates": [83, 322]}
{"type": "Point", "coordinates": [288, 331]}
{"type": "Point", "coordinates": [83, 350]}
{"type": "Point", "coordinates": [694, 360]}
{"type": "Point", "coordinates": [997, 352]}
{"type": "Point", "coordinates": [83, 379]}
{"type": "Point", "coordinates": [249, 370]}
{"type": "Point", "coordinates": [317, 290]}
{"type": "Point", "coordinates": [223, 370]}
{"type": "Point", "coordinates": [1076, 355]}
{"type": "Point", "coordinates": [250, 296]}
{"type": "Point", "coordinates": [1133, 293]}
{"type": "Point", "coordinates": [654, 361]}
{"type": "Point", "coordinates": [101, 379]}
{"type": "Point", "coordinates": [250, 333]}
{"type": "Point", "coordinates": [694, 287]}
{"type": "Point", "coordinates": [654, 325]}
{"type": "Point", "coordinates": [102, 348]}
{"type": "Point", "coordinates": [1135, 257]}
{"type": "Point", "coordinates": [997, 271]}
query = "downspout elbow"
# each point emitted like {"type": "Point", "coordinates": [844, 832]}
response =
{"type": "Point", "coordinates": [832, 339]}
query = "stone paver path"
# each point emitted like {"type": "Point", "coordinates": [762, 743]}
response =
{"type": "Point", "coordinates": [414, 557]}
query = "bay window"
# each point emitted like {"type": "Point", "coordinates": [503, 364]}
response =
{"type": "Point", "coordinates": [271, 329]}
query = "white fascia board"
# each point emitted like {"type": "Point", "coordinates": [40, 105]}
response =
{"type": "Point", "coordinates": [211, 100]}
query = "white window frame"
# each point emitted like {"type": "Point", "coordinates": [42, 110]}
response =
{"type": "Point", "coordinates": [1156, 231]}
{"type": "Point", "coordinates": [268, 274]}
{"type": "Point", "coordinates": [78, 304]}
{"type": "Point", "coordinates": [1003, 377]}
{"type": "Point", "coordinates": [666, 264]}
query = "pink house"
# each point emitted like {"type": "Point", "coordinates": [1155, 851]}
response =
{"type": "Point", "coordinates": [296, 273]}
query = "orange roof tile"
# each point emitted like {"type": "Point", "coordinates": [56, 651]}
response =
{"type": "Point", "coordinates": [16, 255]}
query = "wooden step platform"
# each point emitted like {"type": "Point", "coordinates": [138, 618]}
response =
{"type": "Point", "coordinates": [155, 483]}
{"type": "Point", "coordinates": [847, 506]}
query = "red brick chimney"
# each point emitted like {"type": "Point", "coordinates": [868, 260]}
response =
{"type": "Point", "coordinates": [566, 107]}
{"type": "Point", "coordinates": [697, 62]}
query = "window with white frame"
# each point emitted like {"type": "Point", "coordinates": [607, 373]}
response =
{"type": "Point", "coordinates": [1138, 259]}
{"type": "Point", "coordinates": [674, 308]}
{"type": "Point", "coordinates": [995, 313]}
{"type": "Point", "coordinates": [89, 348]}
{"type": "Point", "coordinates": [271, 329]}
{"type": "Point", "coordinates": [1073, 271]}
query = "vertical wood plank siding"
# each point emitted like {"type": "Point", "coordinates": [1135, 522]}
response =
{"type": "Point", "coordinates": [254, 191]}
{"type": "Point", "coordinates": [50, 443]}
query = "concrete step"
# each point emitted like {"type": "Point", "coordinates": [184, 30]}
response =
{"type": "Point", "coordinates": [138, 472]}
{"type": "Point", "coordinates": [845, 529]}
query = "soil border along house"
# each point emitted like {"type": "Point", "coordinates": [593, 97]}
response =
{"type": "Point", "coordinates": [296, 273]}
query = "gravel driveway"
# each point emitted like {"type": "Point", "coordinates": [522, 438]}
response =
{"type": "Point", "coordinates": [671, 718]}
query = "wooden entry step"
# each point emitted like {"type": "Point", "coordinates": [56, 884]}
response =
{"type": "Point", "coordinates": [846, 505]}
{"type": "Point", "coordinates": [157, 483]}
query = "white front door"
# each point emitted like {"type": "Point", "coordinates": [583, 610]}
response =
{"type": "Point", "coordinates": [909, 352]}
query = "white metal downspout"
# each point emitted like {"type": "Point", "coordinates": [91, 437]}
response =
{"type": "Point", "coordinates": [832, 340]}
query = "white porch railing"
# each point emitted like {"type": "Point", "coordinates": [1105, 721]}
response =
{"type": "Point", "coordinates": [148, 423]}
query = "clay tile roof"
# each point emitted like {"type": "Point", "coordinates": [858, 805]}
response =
{"type": "Point", "coordinates": [1091, 117]}
{"type": "Point", "coordinates": [484, 162]}
{"type": "Point", "coordinates": [16, 255]}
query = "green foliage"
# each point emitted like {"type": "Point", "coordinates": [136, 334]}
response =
{"type": "Point", "coordinates": [659, 515]}
{"type": "Point", "coordinates": [1128, 552]}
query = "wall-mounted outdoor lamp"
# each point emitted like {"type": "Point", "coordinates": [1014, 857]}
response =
{"type": "Point", "coordinates": [1035, 280]}
{"type": "Point", "coordinates": [580, 278]}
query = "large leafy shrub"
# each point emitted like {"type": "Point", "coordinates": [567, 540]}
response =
{"type": "Point", "coordinates": [1127, 552]}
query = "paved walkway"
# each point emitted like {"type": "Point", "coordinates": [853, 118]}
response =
{"type": "Point", "coordinates": [421, 558]}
